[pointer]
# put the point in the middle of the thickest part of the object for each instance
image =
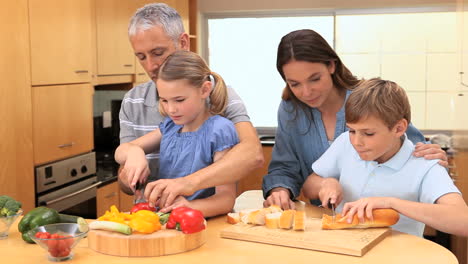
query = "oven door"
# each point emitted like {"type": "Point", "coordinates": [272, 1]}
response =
{"type": "Point", "coordinates": [76, 199]}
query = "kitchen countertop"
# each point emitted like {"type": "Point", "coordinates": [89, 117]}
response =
{"type": "Point", "coordinates": [396, 248]}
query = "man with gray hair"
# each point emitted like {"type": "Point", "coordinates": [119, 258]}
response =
{"type": "Point", "coordinates": [155, 32]}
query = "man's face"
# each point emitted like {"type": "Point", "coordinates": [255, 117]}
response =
{"type": "Point", "coordinates": [152, 47]}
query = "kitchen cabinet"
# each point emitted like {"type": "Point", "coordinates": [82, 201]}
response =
{"type": "Point", "coordinates": [16, 159]}
{"type": "Point", "coordinates": [125, 201]}
{"type": "Point", "coordinates": [61, 41]}
{"type": "Point", "coordinates": [107, 196]}
{"type": "Point", "coordinates": [114, 52]}
{"type": "Point", "coordinates": [62, 121]}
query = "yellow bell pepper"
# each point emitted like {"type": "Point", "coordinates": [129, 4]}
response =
{"type": "Point", "coordinates": [145, 221]}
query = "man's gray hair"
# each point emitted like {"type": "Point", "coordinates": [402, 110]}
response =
{"type": "Point", "coordinates": [157, 14]}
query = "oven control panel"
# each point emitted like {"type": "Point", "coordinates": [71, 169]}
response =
{"type": "Point", "coordinates": [62, 172]}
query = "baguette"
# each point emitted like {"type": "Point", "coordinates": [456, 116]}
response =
{"type": "Point", "coordinates": [272, 220]}
{"type": "Point", "coordinates": [233, 218]}
{"type": "Point", "coordinates": [382, 218]}
{"type": "Point", "coordinates": [299, 221]}
{"type": "Point", "coordinates": [286, 219]}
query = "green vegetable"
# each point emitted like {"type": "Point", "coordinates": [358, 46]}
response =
{"type": "Point", "coordinates": [111, 226]}
{"type": "Point", "coordinates": [8, 206]}
{"type": "Point", "coordinates": [163, 217]}
{"type": "Point", "coordinates": [37, 217]}
{"type": "Point", "coordinates": [64, 218]}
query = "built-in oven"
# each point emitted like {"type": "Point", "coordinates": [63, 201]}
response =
{"type": "Point", "coordinates": [69, 185]}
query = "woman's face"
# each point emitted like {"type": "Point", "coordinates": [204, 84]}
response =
{"type": "Point", "coordinates": [310, 82]}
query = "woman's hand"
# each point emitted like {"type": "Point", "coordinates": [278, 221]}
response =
{"type": "Point", "coordinates": [431, 151]}
{"type": "Point", "coordinates": [279, 196]}
{"type": "Point", "coordinates": [363, 207]}
{"type": "Point", "coordinates": [136, 166]}
{"type": "Point", "coordinates": [330, 191]}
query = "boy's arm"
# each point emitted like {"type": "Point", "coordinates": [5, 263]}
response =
{"type": "Point", "coordinates": [237, 163]}
{"type": "Point", "coordinates": [325, 189]}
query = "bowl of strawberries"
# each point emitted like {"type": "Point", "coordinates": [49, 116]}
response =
{"type": "Point", "coordinates": [59, 239]}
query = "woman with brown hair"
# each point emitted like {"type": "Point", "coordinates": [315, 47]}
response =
{"type": "Point", "coordinates": [311, 114]}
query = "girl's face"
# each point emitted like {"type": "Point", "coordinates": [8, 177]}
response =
{"type": "Point", "coordinates": [310, 82]}
{"type": "Point", "coordinates": [373, 140]}
{"type": "Point", "coordinates": [184, 103]}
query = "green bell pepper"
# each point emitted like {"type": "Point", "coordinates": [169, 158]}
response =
{"type": "Point", "coordinates": [38, 216]}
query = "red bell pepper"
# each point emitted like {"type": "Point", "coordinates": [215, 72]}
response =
{"type": "Point", "coordinates": [186, 219]}
{"type": "Point", "coordinates": [142, 206]}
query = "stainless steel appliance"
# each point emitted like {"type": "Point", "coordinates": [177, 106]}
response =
{"type": "Point", "coordinates": [69, 185]}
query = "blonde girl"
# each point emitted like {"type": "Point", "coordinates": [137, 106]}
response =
{"type": "Point", "coordinates": [192, 136]}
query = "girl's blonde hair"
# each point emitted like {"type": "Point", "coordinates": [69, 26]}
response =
{"type": "Point", "coordinates": [189, 66]}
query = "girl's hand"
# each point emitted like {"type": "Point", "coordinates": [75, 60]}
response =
{"type": "Point", "coordinates": [330, 191]}
{"type": "Point", "coordinates": [431, 151]}
{"type": "Point", "coordinates": [178, 202]}
{"type": "Point", "coordinates": [279, 196]}
{"type": "Point", "coordinates": [136, 166]}
{"type": "Point", "coordinates": [363, 207]}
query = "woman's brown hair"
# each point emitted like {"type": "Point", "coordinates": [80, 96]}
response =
{"type": "Point", "coordinates": [307, 45]}
{"type": "Point", "coordinates": [189, 66]}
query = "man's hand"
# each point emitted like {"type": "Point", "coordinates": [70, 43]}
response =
{"type": "Point", "coordinates": [163, 192]}
{"type": "Point", "coordinates": [123, 181]}
{"type": "Point", "coordinates": [431, 151]}
{"type": "Point", "coordinates": [178, 202]}
{"type": "Point", "coordinates": [279, 196]}
{"type": "Point", "coordinates": [330, 190]}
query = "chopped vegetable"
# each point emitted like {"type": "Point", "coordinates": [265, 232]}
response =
{"type": "Point", "coordinates": [186, 219]}
{"type": "Point", "coordinates": [145, 221]}
{"type": "Point", "coordinates": [163, 217]}
{"type": "Point", "coordinates": [111, 226]}
{"type": "Point", "coordinates": [142, 206]}
{"type": "Point", "coordinates": [58, 245]}
{"type": "Point", "coordinates": [8, 206]}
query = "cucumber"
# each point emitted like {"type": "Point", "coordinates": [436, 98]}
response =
{"type": "Point", "coordinates": [64, 218]}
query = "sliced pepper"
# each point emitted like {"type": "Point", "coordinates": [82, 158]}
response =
{"type": "Point", "coordinates": [145, 221]}
{"type": "Point", "coordinates": [186, 219]}
{"type": "Point", "coordinates": [142, 206]}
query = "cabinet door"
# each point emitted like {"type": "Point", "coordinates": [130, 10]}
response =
{"type": "Point", "coordinates": [61, 43]}
{"type": "Point", "coordinates": [125, 201]}
{"type": "Point", "coordinates": [62, 121]}
{"type": "Point", "coordinates": [107, 196]}
{"type": "Point", "coordinates": [114, 52]}
{"type": "Point", "coordinates": [254, 180]}
{"type": "Point", "coordinates": [16, 159]}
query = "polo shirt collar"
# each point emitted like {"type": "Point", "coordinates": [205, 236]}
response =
{"type": "Point", "coordinates": [402, 156]}
{"type": "Point", "coordinates": [151, 97]}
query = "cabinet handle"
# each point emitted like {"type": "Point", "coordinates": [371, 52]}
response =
{"type": "Point", "coordinates": [141, 73]}
{"type": "Point", "coordinates": [81, 71]}
{"type": "Point", "coordinates": [66, 145]}
{"type": "Point", "coordinates": [128, 65]}
{"type": "Point", "coordinates": [110, 195]}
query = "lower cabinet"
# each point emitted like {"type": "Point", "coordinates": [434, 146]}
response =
{"type": "Point", "coordinates": [111, 194]}
{"type": "Point", "coordinates": [254, 180]}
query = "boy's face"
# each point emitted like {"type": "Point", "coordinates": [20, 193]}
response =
{"type": "Point", "coordinates": [373, 140]}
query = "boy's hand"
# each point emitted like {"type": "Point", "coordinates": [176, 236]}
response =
{"type": "Point", "coordinates": [330, 191]}
{"type": "Point", "coordinates": [364, 207]}
{"type": "Point", "coordinates": [431, 151]}
{"type": "Point", "coordinates": [279, 196]}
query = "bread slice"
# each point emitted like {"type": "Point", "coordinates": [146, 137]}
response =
{"type": "Point", "coordinates": [272, 220]}
{"type": "Point", "coordinates": [244, 215]}
{"type": "Point", "coordinates": [287, 219]}
{"type": "Point", "coordinates": [382, 218]}
{"type": "Point", "coordinates": [258, 217]}
{"type": "Point", "coordinates": [299, 221]}
{"type": "Point", "coordinates": [233, 218]}
{"type": "Point", "coordinates": [275, 208]}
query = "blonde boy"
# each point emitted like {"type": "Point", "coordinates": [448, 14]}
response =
{"type": "Point", "coordinates": [371, 167]}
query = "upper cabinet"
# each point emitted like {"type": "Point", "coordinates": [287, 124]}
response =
{"type": "Point", "coordinates": [114, 52]}
{"type": "Point", "coordinates": [61, 41]}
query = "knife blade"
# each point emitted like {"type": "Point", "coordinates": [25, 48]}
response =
{"type": "Point", "coordinates": [332, 207]}
{"type": "Point", "coordinates": [139, 193]}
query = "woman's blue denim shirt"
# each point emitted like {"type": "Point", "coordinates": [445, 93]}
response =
{"type": "Point", "coordinates": [300, 141]}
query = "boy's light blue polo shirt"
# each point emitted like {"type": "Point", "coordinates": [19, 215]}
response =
{"type": "Point", "coordinates": [403, 176]}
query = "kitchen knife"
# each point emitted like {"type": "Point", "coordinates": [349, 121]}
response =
{"type": "Point", "coordinates": [332, 207]}
{"type": "Point", "coordinates": [139, 193]}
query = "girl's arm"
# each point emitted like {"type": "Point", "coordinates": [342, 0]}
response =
{"type": "Point", "coordinates": [148, 143]}
{"type": "Point", "coordinates": [221, 202]}
{"type": "Point", "coordinates": [449, 214]}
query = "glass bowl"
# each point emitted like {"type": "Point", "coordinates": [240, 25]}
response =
{"type": "Point", "coordinates": [59, 239]}
{"type": "Point", "coordinates": [6, 222]}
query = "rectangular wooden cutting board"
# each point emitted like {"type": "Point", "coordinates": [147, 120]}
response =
{"type": "Point", "coordinates": [355, 242]}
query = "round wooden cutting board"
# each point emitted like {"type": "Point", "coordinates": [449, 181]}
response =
{"type": "Point", "coordinates": [160, 243]}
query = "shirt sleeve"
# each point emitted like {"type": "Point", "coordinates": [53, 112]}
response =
{"type": "Point", "coordinates": [235, 110]}
{"type": "Point", "coordinates": [284, 169]}
{"type": "Point", "coordinates": [127, 133]}
{"type": "Point", "coordinates": [435, 184]}
{"type": "Point", "coordinates": [329, 164]}
{"type": "Point", "coordinates": [224, 135]}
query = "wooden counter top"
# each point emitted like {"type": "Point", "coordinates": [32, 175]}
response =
{"type": "Point", "coordinates": [396, 248]}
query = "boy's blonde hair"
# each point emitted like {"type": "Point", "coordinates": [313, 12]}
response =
{"type": "Point", "coordinates": [383, 99]}
{"type": "Point", "coordinates": [189, 66]}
